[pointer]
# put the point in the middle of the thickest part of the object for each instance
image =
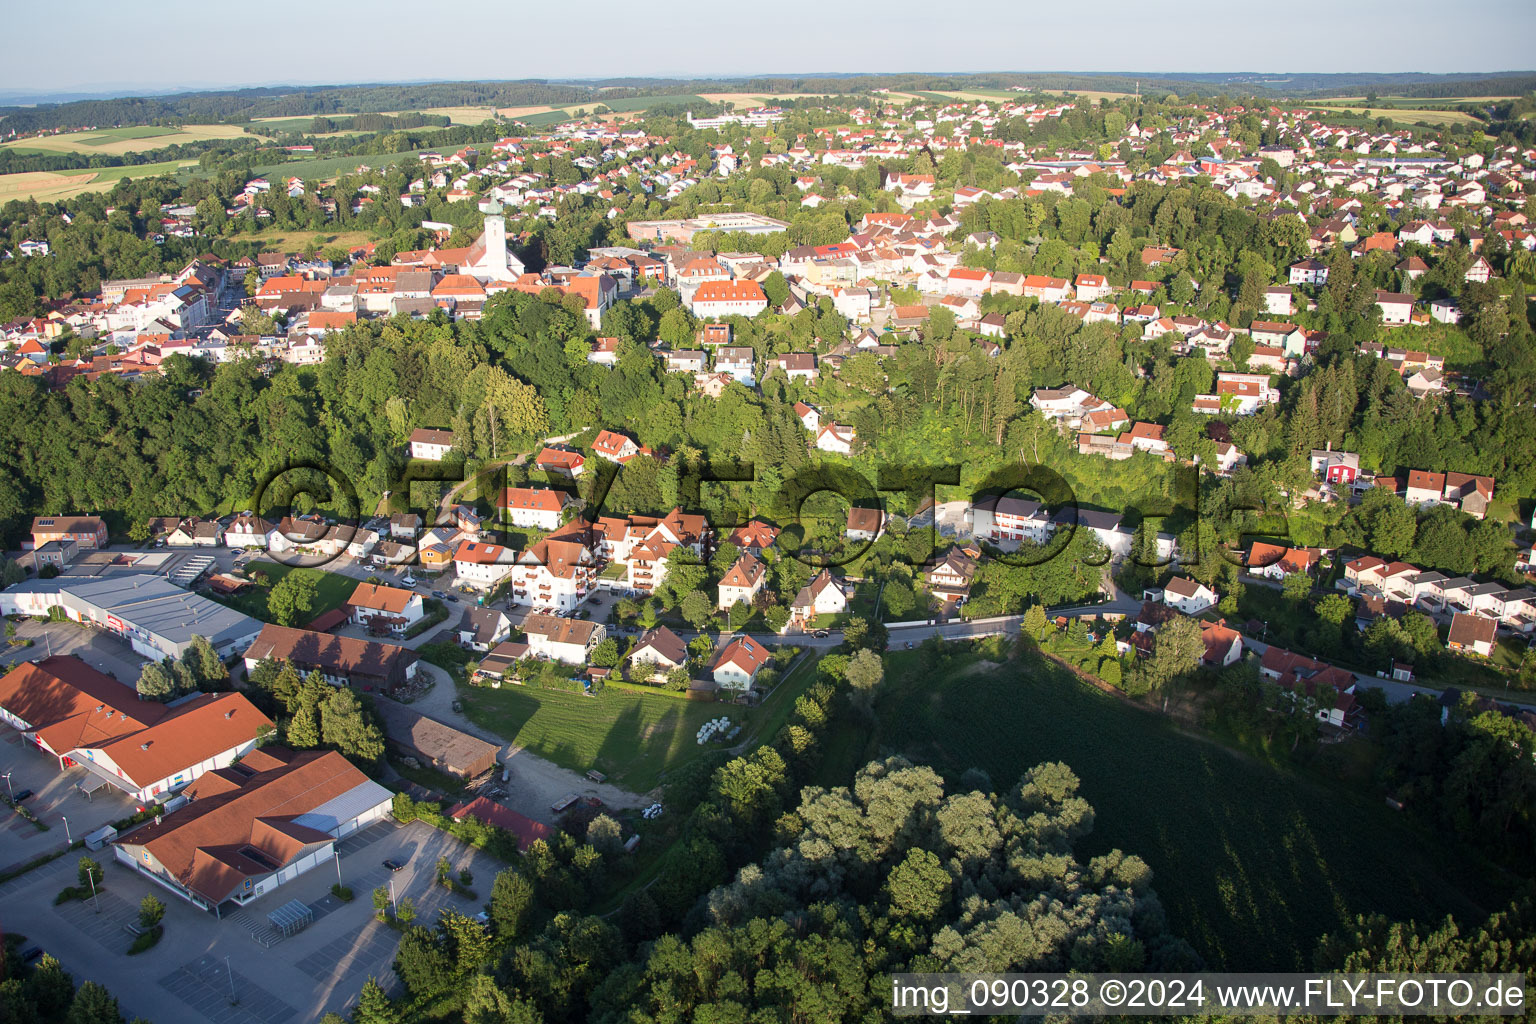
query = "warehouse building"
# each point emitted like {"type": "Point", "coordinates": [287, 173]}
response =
{"type": "Point", "coordinates": [435, 743]}
{"type": "Point", "coordinates": [153, 614]}
{"type": "Point", "coordinates": [254, 825]}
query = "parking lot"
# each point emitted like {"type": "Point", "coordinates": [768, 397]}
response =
{"type": "Point", "coordinates": [98, 649]}
{"type": "Point", "coordinates": [187, 978]}
{"type": "Point", "coordinates": [54, 799]}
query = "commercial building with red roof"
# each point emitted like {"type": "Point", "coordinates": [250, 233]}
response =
{"type": "Point", "coordinates": [252, 826]}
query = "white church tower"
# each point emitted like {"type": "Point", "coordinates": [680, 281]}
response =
{"type": "Point", "coordinates": [489, 259]}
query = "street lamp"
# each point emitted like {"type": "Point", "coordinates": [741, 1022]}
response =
{"type": "Point", "coordinates": [233, 999]}
{"type": "Point", "coordinates": [91, 877]}
{"type": "Point", "coordinates": [8, 788]}
{"type": "Point", "coordinates": [67, 838]}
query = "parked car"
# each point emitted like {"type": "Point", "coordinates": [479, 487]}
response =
{"type": "Point", "coordinates": [394, 865]}
{"type": "Point", "coordinates": [25, 794]}
{"type": "Point", "coordinates": [409, 581]}
{"type": "Point", "coordinates": [439, 594]}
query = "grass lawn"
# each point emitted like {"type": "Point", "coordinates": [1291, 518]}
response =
{"type": "Point", "coordinates": [288, 240]}
{"type": "Point", "coordinates": [331, 590]}
{"type": "Point", "coordinates": [633, 738]}
{"type": "Point", "coordinates": [769, 717]}
{"type": "Point", "coordinates": [1253, 863]}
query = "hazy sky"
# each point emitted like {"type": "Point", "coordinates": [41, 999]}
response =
{"type": "Point", "coordinates": [177, 43]}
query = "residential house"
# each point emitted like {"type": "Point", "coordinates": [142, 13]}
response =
{"type": "Point", "coordinates": [340, 660]}
{"type": "Point", "coordinates": [561, 639]}
{"type": "Point", "coordinates": [562, 461]}
{"type": "Point", "coordinates": [836, 438]}
{"type": "Point", "coordinates": [1275, 561]}
{"type": "Point", "coordinates": [1223, 646]}
{"type": "Point", "coordinates": [1335, 467]}
{"type": "Point", "coordinates": [88, 532]}
{"type": "Point", "coordinates": [742, 582]}
{"type": "Point", "coordinates": [482, 629]}
{"type": "Point", "coordinates": [248, 530]}
{"type": "Point", "coordinates": [739, 663]}
{"type": "Point", "coordinates": [395, 607]}
{"type": "Point", "coordinates": [866, 524]}
{"type": "Point", "coordinates": [1472, 632]}
{"type": "Point", "coordinates": [660, 651]}
{"type": "Point", "coordinates": [614, 447]}
{"type": "Point", "coordinates": [480, 565]}
{"type": "Point", "coordinates": [538, 508]}
{"type": "Point", "coordinates": [1187, 595]}
{"type": "Point", "coordinates": [949, 580]}
{"type": "Point", "coordinates": [822, 596]}
{"type": "Point", "coordinates": [431, 445]}
{"type": "Point", "coordinates": [1395, 308]}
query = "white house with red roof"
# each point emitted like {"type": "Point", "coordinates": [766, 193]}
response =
{"type": "Point", "coordinates": [562, 461]}
{"type": "Point", "coordinates": [727, 298]}
{"type": "Point", "coordinates": [1091, 287]}
{"type": "Point", "coordinates": [739, 663]}
{"type": "Point", "coordinates": [614, 447]}
{"type": "Point", "coordinates": [742, 582]}
{"type": "Point", "coordinates": [481, 565]}
{"type": "Point", "coordinates": [836, 438]}
{"type": "Point", "coordinates": [538, 508]}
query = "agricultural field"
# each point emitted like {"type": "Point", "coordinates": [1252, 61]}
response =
{"type": "Point", "coordinates": [1415, 100]}
{"type": "Point", "coordinates": [119, 141]}
{"type": "Point", "coordinates": [748, 100]}
{"type": "Point", "coordinates": [966, 95]}
{"type": "Point", "coordinates": [1408, 115]}
{"type": "Point", "coordinates": [56, 186]}
{"type": "Point", "coordinates": [456, 115]}
{"type": "Point", "coordinates": [1253, 863]}
{"type": "Point", "coordinates": [1096, 95]}
{"type": "Point", "coordinates": [327, 168]}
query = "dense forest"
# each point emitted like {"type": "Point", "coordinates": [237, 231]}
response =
{"type": "Point", "coordinates": [286, 101]}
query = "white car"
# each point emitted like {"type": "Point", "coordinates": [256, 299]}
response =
{"type": "Point", "coordinates": [409, 581]}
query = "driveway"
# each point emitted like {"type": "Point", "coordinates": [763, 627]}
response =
{"type": "Point", "coordinates": [188, 978]}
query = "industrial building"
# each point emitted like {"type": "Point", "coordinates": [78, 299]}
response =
{"type": "Point", "coordinates": [153, 614]}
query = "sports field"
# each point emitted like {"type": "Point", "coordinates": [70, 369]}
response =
{"type": "Point", "coordinates": [118, 141]}
{"type": "Point", "coordinates": [1253, 863]}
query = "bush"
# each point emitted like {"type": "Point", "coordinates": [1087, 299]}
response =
{"type": "Point", "coordinates": [341, 892]}
{"type": "Point", "coordinates": [146, 941]}
{"type": "Point", "coordinates": [71, 892]}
